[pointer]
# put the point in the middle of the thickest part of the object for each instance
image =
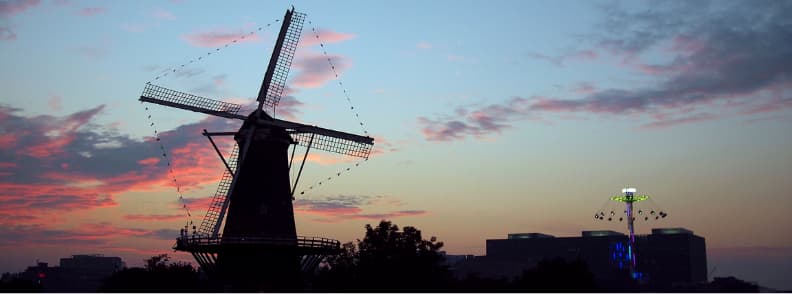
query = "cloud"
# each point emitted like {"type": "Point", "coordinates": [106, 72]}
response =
{"type": "Point", "coordinates": [423, 45]}
{"type": "Point", "coordinates": [349, 207]}
{"type": "Point", "coordinates": [54, 103]}
{"type": "Point", "coordinates": [309, 38]}
{"type": "Point", "coordinates": [154, 217]}
{"type": "Point", "coordinates": [288, 107]}
{"type": "Point", "coordinates": [341, 204]}
{"type": "Point", "coordinates": [314, 70]}
{"type": "Point", "coordinates": [715, 60]}
{"type": "Point", "coordinates": [476, 121]}
{"type": "Point", "coordinates": [55, 164]}
{"type": "Point", "coordinates": [383, 146]}
{"type": "Point", "coordinates": [92, 52]}
{"type": "Point", "coordinates": [682, 120]}
{"type": "Point", "coordinates": [12, 7]}
{"type": "Point", "coordinates": [160, 13]}
{"type": "Point", "coordinates": [460, 58]}
{"type": "Point", "coordinates": [91, 234]}
{"type": "Point", "coordinates": [6, 34]}
{"type": "Point", "coordinates": [202, 202]}
{"type": "Point", "coordinates": [217, 38]}
{"type": "Point", "coordinates": [559, 60]}
{"type": "Point", "coordinates": [732, 59]}
{"type": "Point", "coordinates": [92, 11]}
{"type": "Point", "coordinates": [584, 88]}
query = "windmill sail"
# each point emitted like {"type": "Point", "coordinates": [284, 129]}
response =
{"type": "Point", "coordinates": [334, 144]}
{"type": "Point", "coordinates": [214, 215]}
{"type": "Point", "coordinates": [172, 98]}
{"type": "Point", "coordinates": [275, 77]}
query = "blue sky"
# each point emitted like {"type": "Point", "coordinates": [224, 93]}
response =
{"type": "Point", "coordinates": [489, 118]}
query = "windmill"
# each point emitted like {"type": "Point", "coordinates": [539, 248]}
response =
{"type": "Point", "coordinates": [248, 237]}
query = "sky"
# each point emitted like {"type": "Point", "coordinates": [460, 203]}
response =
{"type": "Point", "coordinates": [489, 118]}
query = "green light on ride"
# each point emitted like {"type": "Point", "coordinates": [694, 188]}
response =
{"type": "Point", "coordinates": [634, 198]}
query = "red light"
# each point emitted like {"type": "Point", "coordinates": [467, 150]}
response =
{"type": "Point", "coordinates": [42, 275]}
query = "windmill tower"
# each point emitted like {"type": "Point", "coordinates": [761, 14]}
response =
{"type": "Point", "coordinates": [248, 238]}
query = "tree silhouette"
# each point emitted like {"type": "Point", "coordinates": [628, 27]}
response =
{"type": "Point", "coordinates": [19, 285]}
{"type": "Point", "coordinates": [557, 275]}
{"type": "Point", "coordinates": [390, 259]}
{"type": "Point", "coordinates": [159, 275]}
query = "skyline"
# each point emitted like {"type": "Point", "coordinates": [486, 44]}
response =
{"type": "Point", "coordinates": [488, 120]}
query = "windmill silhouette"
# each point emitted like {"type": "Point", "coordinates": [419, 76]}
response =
{"type": "Point", "coordinates": [259, 247]}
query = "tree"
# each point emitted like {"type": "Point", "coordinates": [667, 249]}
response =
{"type": "Point", "coordinates": [18, 285]}
{"type": "Point", "coordinates": [387, 258]}
{"type": "Point", "coordinates": [159, 275]}
{"type": "Point", "coordinates": [553, 275]}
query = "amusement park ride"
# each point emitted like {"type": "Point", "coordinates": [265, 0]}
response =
{"type": "Point", "coordinates": [629, 198]}
{"type": "Point", "coordinates": [259, 247]}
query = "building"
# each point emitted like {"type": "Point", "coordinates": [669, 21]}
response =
{"type": "Point", "coordinates": [667, 257]}
{"type": "Point", "coordinates": [79, 273]}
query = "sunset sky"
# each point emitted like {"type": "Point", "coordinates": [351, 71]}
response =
{"type": "Point", "coordinates": [489, 118]}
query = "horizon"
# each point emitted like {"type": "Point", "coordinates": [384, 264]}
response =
{"type": "Point", "coordinates": [512, 117]}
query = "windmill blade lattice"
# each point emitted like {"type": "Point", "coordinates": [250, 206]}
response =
{"type": "Point", "coordinates": [284, 58]}
{"type": "Point", "coordinates": [214, 214]}
{"type": "Point", "coordinates": [172, 98]}
{"type": "Point", "coordinates": [333, 144]}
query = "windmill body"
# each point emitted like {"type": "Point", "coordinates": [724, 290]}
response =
{"type": "Point", "coordinates": [261, 201]}
{"type": "Point", "coordinates": [248, 239]}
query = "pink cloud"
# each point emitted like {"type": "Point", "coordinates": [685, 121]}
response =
{"type": "Point", "coordinates": [455, 57]}
{"type": "Point", "coordinates": [154, 217]}
{"type": "Point", "coordinates": [309, 38]}
{"type": "Point", "coordinates": [314, 70]}
{"type": "Point", "coordinates": [160, 13]}
{"type": "Point", "coordinates": [682, 120]}
{"type": "Point", "coordinates": [217, 38]}
{"type": "Point", "coordinates": [288, 107]}
{"type": "Point", "coordinates": [584, 88]}
{"type": "Point", "coordinates": [326, 159]}
{"type": "Point", "coordinates": [478, 121]}
{"type": "Point", "coordinates": [11, 7]}
{"type": "Point", "coordinates": [687, 44]}
{"type": "Point", "coordinates": [92, 11]}
{"type": "Point", "coordinates": [770, 106]}
{"type": "Point", "coordinates": [383, 146]}
{"type": "Point", "coordinates": [344, 208]}
{"type": "Point", "coordinates": [149, 161]}
{"type": "Point", "coordinates": [369, 216]}
{"type": "Point", "coordinates": [54, 103]}
{"type": "Point", "coordinates": [95, 234]}
{"type": "Point", "coordinates": [60, 134]}
{"type": "Point", "coordinates": [8, 141]}
{"type": "Point", "coordinates": [423, 45]}
{"type": "Point", "coordinates": [65, 170]}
